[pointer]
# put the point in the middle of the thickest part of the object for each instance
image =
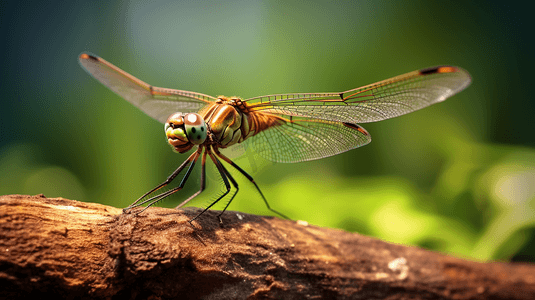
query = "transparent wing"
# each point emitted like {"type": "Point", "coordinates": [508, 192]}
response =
{"type": "Point", "coordinates": [382, 100]}
{"type": "Point", "coordinates": [156, 102]}
{"type": "Point", "coordinates": [304, 139]}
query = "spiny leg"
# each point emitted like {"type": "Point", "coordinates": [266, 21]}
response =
{"type": "Point", "coordinates": [203, 181]}
{"type": "Point", "coordinates": [161, 196]}
{"type": "Point", "coordinates": [157, 198]}
{"type": "Point", "coordinates": [233, 181]}
{"type": "Point", "coordinates": [220, 168]}
{"type": "Point", "coordinates": [166, 182]}
{"type": "Point", "coordinates": [250, 179]}
{"type": "Point", "coordinates": [191, 159]}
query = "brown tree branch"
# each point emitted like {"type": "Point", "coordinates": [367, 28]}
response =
{"type": "Point", "coordinates": [73, 249]}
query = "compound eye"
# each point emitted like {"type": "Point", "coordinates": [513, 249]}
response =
{"type": "Point", "coordinates": [175, 120]}
{"type": "Point", "coordinates": [195, 128]}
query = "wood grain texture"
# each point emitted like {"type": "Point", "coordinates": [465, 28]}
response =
{"type": "Point", "coordinates": [71, 249]}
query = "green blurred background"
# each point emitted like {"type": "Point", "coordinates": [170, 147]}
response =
{"type": "Point", "coordinates": [457, 177]}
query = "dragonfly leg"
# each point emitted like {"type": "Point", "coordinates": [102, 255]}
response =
{"type": "Point", "coordinates": [235, 184]}
{"type": "Point", "coordinates": [203, 182]}
{"type": "Point", "coordinates": [221, 170]}
{"type": "Point", "coordinates": [250, 178]}
{"type": "Point", "coordinates": [157, 198]}
{"type": "Point", "coordinates": [191, 160]}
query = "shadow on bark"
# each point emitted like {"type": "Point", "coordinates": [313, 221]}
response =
{"type": "Point", "coordinates": [60, 247]}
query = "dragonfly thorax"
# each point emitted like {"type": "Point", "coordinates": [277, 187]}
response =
{"type": "Point", "coordinates": [183, 131]}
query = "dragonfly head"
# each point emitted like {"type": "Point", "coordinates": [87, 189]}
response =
{"type": "Point", "coordinates": [183, 131]}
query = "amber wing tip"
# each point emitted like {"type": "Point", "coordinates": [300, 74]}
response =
{"type": "Point", "coordinates": [87, 56]}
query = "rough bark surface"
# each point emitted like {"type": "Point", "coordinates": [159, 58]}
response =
{"type": "Point", "coordinates": [71, 249]}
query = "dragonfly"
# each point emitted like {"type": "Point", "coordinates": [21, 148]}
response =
{"type": "Point", "coordinates": [285, 128]}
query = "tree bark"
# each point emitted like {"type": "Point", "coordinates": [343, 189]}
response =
{"type": "Point", "coordinates": [71, 249]}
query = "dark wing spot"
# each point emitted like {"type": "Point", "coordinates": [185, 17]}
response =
{"type": "Point", "coordinates": [351, 125]}
{"type": "Point", "coordinates": [202, 128]}
{"type": "Point", "coordinates": [439, 69]}
{"type": "Point", "coordinates": [193, 129]}
{"type": "Point", "coordinates": [428, 71]}
{"type": "Point", "coordinates": [356, 127]}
